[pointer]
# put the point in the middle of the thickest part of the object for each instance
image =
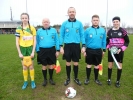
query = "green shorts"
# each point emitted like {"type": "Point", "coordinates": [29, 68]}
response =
{"type": "Point", "coordinates": [26, 51]}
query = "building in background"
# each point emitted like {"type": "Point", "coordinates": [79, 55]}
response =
{"type": "Point", "coordinates": [8, 27]}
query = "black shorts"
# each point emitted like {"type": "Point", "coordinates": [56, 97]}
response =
{"type": "Point", "coordinates": [119, 57]}
{"type": "Point", "coordinates": [46, 56]}
{"type": "Point", "coordinates": [94, 56]}
{"type": "Point", "coordinates": [72, 52]}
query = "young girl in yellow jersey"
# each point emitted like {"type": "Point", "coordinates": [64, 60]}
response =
{"type": "Point", "coordinates": [25, 43]}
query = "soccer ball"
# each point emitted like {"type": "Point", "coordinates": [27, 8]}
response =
{"type": "Point", "coordinates": [70, 92]}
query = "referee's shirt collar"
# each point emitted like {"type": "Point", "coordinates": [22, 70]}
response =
{"type": "Point", "coordinates": [46, 28]}
{"type": "Point", "coordinates": [72, 20]}
{"type": "Point", "coordinates": [95, 27]}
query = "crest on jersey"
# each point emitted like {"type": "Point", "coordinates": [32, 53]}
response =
{"type": "Point", "coordinates": [90, 35]}
{"type": "Point", "coordinates": [101, 37]}
{"type": "Point", "coordinates": [120, 34]}
{"type": "Point", "coordinates": [67, 30]}
{"type": "Point", "coordinates": [41, 38]}
{"type": "Point", "coordinates": [52, 37]}
{"type": "Point", "coordinates": [77, 30]}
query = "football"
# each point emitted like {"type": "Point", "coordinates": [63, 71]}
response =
{"type": "Point", "coordinates": [70, 92]}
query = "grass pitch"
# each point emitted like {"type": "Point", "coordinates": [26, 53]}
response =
{"type": "Point", "coordinates": [11, 78]}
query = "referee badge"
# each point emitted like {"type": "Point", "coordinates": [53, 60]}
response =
{"type": "Point", "coordinates": [101, 37]}
{"type": "Point", "coordinates": [90, 35]}
{"type": "Point", "coordinates": [77, 31]}
{"type": "Point", "coordinates": [41, 38]}
{"type": "Point", "coordinates": [67, 30]}
{"type": "Point", "coordinates": [52, 37]}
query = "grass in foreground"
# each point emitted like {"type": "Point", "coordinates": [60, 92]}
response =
{"type": "Point", "coordinates": [11, 78]}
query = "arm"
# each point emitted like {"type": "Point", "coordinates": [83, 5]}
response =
{"type": "Point", "coordinates": [82, 35]}
{"type": "Point", "coordinates": [57, 41]}
{"type": "Point", "coordinates": [107, 40]}
{"type": "Point", "coordinates": [17, 34]}
{"type": "Point", "coordinates": [126, 38]}
{"type": "Point", "coordinates": [37, 42]}
{"type": "Point", "coordinates": [104, 42]}
{"type": "Point", "coordinates": [61, 38]}
{"type": "Point", "coordinates": [18, 47]}
{"type": "Point", "coordinates": [62, 33]}
{"type": "Point", "coordinates": [57, 44]}
{"type": "Point", "coordinates": [34, 42]}
{"type": "Point", "coordinates": [85, 35]}
{"type": "Point", "coordinates": [82, 38]}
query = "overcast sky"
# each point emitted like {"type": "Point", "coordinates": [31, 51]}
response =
{"type": "Point", "coordinates": [56, 10]}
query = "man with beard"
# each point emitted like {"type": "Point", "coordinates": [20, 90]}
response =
{"type": "Point", "coordinates": [71, 34]}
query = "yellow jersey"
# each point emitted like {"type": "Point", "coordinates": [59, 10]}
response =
{"type": "Point", "coordinates": [25, 35]}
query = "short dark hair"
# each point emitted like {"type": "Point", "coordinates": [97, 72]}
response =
{"type": "Point", "coordinates": [96, 16]}
{"type": "Point", "coordinates": [71, 7]}
{"type": "Point", "coordinates": [116, 18]}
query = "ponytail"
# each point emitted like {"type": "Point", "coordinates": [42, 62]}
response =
{"type": "Point", "coordinates": [28, 23]}
{"type": "Point", "coordinates": [29, 27]}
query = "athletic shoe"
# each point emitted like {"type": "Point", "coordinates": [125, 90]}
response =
{"type": "Point", "coordinates": [98, 82]}
{"type": "Point", "coordinates": [86, 82]}
{"type": "Point", "coordinates": [44, 83]}
{"type": "Point", "coordinates": [67, 82]}
{"type": "Point", "coordinates": [25, 85]}
{"type": "Point", "coordinates": [117, 84]}
{"type": "Point", "coordinates": [109, 82]}
{"type": "Point", "coordinates": [77, 81]}
{"type": "Point", "coordinates": [33, 85]}
{"type": "Point", "coordinates": [51, 82]}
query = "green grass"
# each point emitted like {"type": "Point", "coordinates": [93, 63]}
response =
{"type": "Point", "coordinates": [11, 78]}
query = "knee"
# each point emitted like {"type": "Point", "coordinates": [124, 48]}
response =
{"type": "Point", "coordinates": [51, 66]}
{"type": "Point", "coordinates": [44, 67]}
{"type": "Point", "coordinates": [31, 68]}
{"type": "Point", "coordinates": [120, 64]}
{"type": "Point", "coordinates": [110, 65]}
{"type": "Point", "coordinates": [96, 67]}
{"type": "Point", "coordinates": [88, 66]}
{"type": "Point", "coordinates": [24, 68]}
{"type": "Point", "coordinates": [68, 63]}
{"type": "Point", "coordinates": [75, 63]}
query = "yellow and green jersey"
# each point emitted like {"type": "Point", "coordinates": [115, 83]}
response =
{"type": "Point", "coordinates": [25, 35]}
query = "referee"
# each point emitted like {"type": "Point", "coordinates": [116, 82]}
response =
{"type": "Point", "coordinates": [47, 40]}
{"type": "Point", "coordinates": [95, 40]}
{"type": "Point", "coordinates": [71, 34]}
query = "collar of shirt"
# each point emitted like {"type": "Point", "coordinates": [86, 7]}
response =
{"type": "Point", "coordinates": [115, 28]}
{"type": "Point", "coordinates": [95, 27]}
{"type": "Point", "coordinates": [72, 20]}
{"type": "Point", "coordinates": [46, 28]}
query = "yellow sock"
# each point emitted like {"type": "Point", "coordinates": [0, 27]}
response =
{"type": "Point", "coordinates": [32, 74]}
{"type": "Point", "coordinates": [25, 74]}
